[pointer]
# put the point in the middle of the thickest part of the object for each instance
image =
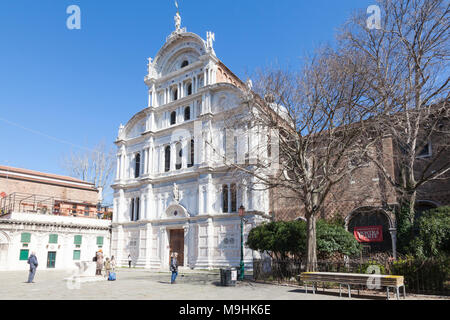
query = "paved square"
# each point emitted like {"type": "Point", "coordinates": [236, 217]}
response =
{"type": "Point", "coordinates": [138, 284]}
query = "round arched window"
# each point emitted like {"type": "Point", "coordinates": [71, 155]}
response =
{"type": "Point", "coordinates": [185, 63]}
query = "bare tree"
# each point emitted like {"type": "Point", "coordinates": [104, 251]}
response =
{"type": "Point", "coordinates": [407, 66]}
{"type": "Point", "coordinates": [95, 166]}
{"type": "Point", "coordinates": [313, 118]}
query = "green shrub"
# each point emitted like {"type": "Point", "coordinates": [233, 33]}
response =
{"type": "Point", "coordinates": [332, 238]}
{"type": "Point", "coordinates": [432, 236]}
{"type": "Point", "coordinates": [423, 275]}
{"type": "Point", "coordinates": [281, 239]}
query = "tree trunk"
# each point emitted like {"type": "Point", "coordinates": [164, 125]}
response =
{"type": "Point", "coordinates": [311, 258]}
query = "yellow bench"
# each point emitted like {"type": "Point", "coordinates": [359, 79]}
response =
{"type": "Point", "coordinates": [372, 281]}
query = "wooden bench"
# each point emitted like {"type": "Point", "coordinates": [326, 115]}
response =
{"type": "Point", "coordinates": [395, 282]}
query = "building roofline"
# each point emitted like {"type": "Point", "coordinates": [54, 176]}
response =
{"type": "Point", "coordinates": [41, 177]}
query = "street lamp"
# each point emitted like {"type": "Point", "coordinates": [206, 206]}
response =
{"type": "Point", "coordinates": [241, 214]}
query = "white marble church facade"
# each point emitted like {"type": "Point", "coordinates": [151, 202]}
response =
{"type": "Point", "coordinates": [172, 189]}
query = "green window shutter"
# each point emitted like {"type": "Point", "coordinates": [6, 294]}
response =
{"type": "Point", "coordinates": [26, 237]}
{"type": "Point", "coordinates": [99, 241]}
{"type": "Point", "coordinates": [78, 240]}
{"type": "Point", "coordinates": [53, 238]}
{"type": "Point", "coordinates": [24, 254]}
{"type": "Point", "coordinates": [76, 254]}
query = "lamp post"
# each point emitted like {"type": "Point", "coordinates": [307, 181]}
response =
{"type": "Point", "coordinates": [241, 214]}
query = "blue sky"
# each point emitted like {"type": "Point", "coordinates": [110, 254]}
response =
{"type": "Point", "coordinates": [77, 86]}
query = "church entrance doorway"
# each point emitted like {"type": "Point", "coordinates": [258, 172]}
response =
{"type": "Point", "coordinates": [177, 245]}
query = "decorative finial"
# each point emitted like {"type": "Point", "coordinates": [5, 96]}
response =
{"type": "Point", "coordinates": [210, 37]}
{"type": "Point", "coordinates": [177, 18]}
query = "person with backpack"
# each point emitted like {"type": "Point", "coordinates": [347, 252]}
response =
{"type": "Point", "coordinates": [99, 263]}
{"type": "Point", "coordinates": [174, 267]}
{"type": "Point", "coordinates": [107, 268]}
{"type": "Point", "coordinates": [33, 262]}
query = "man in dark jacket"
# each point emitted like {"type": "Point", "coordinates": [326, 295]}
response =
{"type": "Point", "coordinates": [174, 267]}
{"type": "Point", "coordinates": [33, 262]}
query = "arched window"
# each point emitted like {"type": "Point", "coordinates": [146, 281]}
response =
{"type": "Point", "coordinates": [175, 94]}
{"type": "Point", "coordinates": [185, 63]}
{"type": "Point", "coordinates": [192, 154]}
{"type": "Point", "coordinates": [173, 118]}
{"type": "Point", "coordinates": [179, 153]}
{"type": "Point", "coordinates": [138, 209]}
{"type": "Point", "coordinates": [132, 210]}
{"type": "Point", "coordinates": [189, 89]}
{"type": "Point", "coordinates": [167, 159]}
{"type": "Point", "coordinates": [137, 166]}
{"type": "Point", "coordinates": [233, 195]}
{"type": "Point", "coordinates": [225, 198]}
{"type": "Point", "coordinates": [187, 113]}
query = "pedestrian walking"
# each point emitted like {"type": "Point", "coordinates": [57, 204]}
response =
{"type": "Point", "coordinates": [129, 260]}
{"type": "Point", "coordinates": [107, 268]}
{"type": "Point", "coordinates": [174, 267]}
{"type": "Point", "coordinates": [33, 262]}
{"type": "Point", "coordinates": [113, 264]}
{"type": "Point", "coordinates": [99, 263]}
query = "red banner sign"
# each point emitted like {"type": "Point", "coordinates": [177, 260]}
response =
{"type": "Point", "coordinates": [369, 234]}
{"type": "Point", "coordinates": [3, 195]}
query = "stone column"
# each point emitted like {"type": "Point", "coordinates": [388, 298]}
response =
{"type": "Point", "coordinates": [163, 256]}
{"type": "Point", "coordinates": [186, 261]}
{"type": "Point", "coordinates": [118, 167]}
{"type": "Point", "coordinates": [210, 242]}
{"type": "Point", "coordinates": [393, 232]}
{"type": "Point", "coordinates": [148, 245]}
{"type": "Point", "coordinates": [185, 154]}
{"type": "Point", "coordinates": [173, 156]}
{"type": "Point", "coordinates": [162, 162]}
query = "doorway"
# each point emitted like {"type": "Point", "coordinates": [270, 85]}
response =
{"type": "Point", "coordinates": [177, 245]}
{"type": "Point", "coordinates": [51, 260]}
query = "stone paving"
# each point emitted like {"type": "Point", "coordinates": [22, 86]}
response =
{"type": "Point", "coordinates": [138, 284]}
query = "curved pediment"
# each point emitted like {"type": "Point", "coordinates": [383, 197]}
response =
{"type": "Point", "coordinates": [134, 128]}
{"type": "Point", "coordinates": [182, 47]}
{"type": "Point", "coordinates": [176, 211]}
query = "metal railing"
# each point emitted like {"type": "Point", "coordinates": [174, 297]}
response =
{"type": "Point", "coordinates": [422, 276]}
{"type": "Point", "coordinates": [40, 204]}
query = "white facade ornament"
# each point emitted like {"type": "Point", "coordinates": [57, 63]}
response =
{"type": "Point", "coordinates": [249, 85]}
{"type": "Point", "coordinates": [210, 38]}
{"type": "Point", "coordinates": [121, 131]}
{"type": "Point", "coordinates": [176, 193]}
{"type": "Point", "coordinates": [150, 67]}
{"type": "Point", "coordinates": [177, 21]}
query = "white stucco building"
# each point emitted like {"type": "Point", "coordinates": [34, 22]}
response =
{"type": "Point", "coordinates": [59, 242]}
{"type": "Point", "coordinates": [173, 191]}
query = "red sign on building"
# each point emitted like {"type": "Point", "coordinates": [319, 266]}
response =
{"type": "Point", "coordinates": [369, 234]}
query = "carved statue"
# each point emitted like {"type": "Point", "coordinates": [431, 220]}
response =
{"type": "Point", "coordinates": [210, 37]}
{"type": "Point", "coordinates": [150, 66]}
{"type": "Point", "coordinates": [176, 193]}
{"type": "Point", "coordinates": [121, 127]}
{"type": "Point", "coordinates": [249, 84]}
{"type": "Point", "coordinates": [177, 21]}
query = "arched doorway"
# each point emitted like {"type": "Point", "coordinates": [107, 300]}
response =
{"type": "Point", "coordinates": [375, 219]}
{"type": "Point", "coordinates": [4, 246]}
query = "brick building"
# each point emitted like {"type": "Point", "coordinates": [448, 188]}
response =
{"type": "Point", "coordinates": [367, 199]}
{"type": "Point", "coordinates": [31, 191]}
